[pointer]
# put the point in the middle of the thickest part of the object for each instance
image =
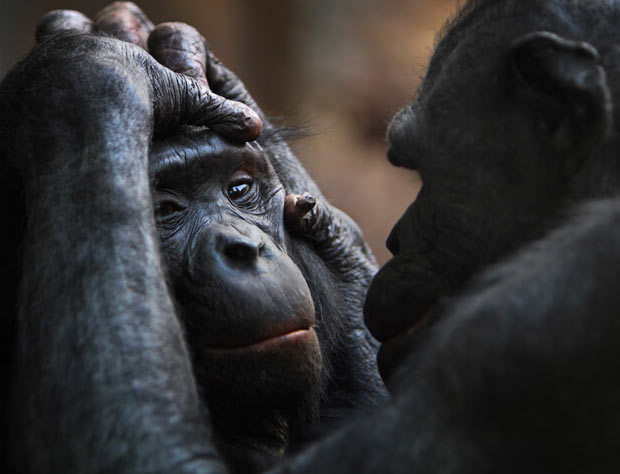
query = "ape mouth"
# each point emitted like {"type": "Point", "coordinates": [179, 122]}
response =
{"type": "Point", "coordinates": [269, 371]}
{"type": "Point", "coordinates": [278, 342]}
{"type": "Point", "coordinates": [398, 300]}
{"type": "Point", "coordinates": [394, 351]}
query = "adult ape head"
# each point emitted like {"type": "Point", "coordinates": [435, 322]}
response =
{"type": "Point", "coordinates": [512, 125]}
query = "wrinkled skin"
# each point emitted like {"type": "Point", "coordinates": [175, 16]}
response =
{"type": "Point", "coordinates": [219, 213]}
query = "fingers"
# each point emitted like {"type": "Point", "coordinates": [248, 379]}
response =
{"type": "Point", "coordinates": [183, 50]}
{"type": "Point", "coordinates": [178, 99]}
{"type": "Point", "coordinates": [301, 213]}
{"type": "Point", "coordinates": [124, 21]}
{"type": "Point", "coordinates": [62, 20]}
{"type": "Point", "coordinates": [200, 106]}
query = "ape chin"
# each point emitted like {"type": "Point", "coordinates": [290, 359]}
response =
{"type": "Point", "coordinates": [276, 371]}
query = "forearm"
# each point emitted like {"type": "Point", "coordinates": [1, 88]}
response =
{"type": "Point", "coordinates": [103, 376]}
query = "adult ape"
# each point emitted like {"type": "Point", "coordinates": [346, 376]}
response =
{"type": "Point", "coordinates": [490, 185]}
{"type": "Point", "coordinates": [246, 307]}
{"type": "Point", "coordinates": [515, 135]}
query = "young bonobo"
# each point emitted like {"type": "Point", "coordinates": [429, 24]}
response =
{"type": "Point", "coordinates": [239, 288]}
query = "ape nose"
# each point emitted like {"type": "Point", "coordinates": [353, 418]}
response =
{"type": "Point", "coordinates": [400, 139]}
{"type": "Point", "coordinates": [242, 250]}
{"type": "Point", "coordinates": [238, 249]}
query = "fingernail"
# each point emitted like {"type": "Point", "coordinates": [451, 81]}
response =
{"type": "Point", "coordinates": [305, 203]}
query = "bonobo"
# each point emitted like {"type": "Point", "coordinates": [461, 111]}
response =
{"type": "Point", "coordinates": [536, 137]}
{"type": "Point", "coordinates": [498, 312]}
{"type": "Point", "coordinates": [248, 313]}
{"type": "Point", "coordinates": [95, 324]}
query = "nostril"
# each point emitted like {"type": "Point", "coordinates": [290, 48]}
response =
{"type": "Point", "coordinates": [242, 251]}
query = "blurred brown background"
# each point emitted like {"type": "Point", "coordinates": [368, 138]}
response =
{"type": "Point", "coordinates": [342, 67]}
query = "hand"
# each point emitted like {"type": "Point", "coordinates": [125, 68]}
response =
{"type": "Point", "coordinates": [177, 46]}
{"type": "Point", "coordinates": [304, 215]}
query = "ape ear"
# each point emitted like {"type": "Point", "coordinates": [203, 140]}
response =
{"type": "Point", "coordinates": [568, 87]}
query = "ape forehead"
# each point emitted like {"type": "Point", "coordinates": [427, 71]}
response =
{"type": "Point", "coordinates": [201, 152]}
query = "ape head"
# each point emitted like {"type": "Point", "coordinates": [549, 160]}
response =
{"type": "Point", "coordinates": [512, 124]}
{"type": "Point", "coordinates": [246, 307]}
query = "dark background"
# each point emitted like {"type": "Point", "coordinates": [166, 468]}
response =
{"type": "Point", "coordinates": [341, 67]}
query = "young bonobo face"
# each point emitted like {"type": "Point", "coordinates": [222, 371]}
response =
{"type": "Point", "coordinates": [246, 307]}
{"type": "Point", "coordinates": [496, 134]}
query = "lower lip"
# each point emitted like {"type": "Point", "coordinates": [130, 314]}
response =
{"type": "Point", "coordinates": [292, 338]}
{"type": "Point", "coordinates": [394, 351]}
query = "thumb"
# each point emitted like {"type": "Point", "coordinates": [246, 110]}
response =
{"type": "Point", "coordinates": [179, 99]}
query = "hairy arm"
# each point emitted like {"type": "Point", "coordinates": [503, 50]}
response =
{"type": "Point", "coordinates": [103, 379]}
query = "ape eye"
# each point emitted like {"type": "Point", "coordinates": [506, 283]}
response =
{"type": "Point", "coordinates": [166, 208]}
{"type": "Point", "coordinates": [239, 188]}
